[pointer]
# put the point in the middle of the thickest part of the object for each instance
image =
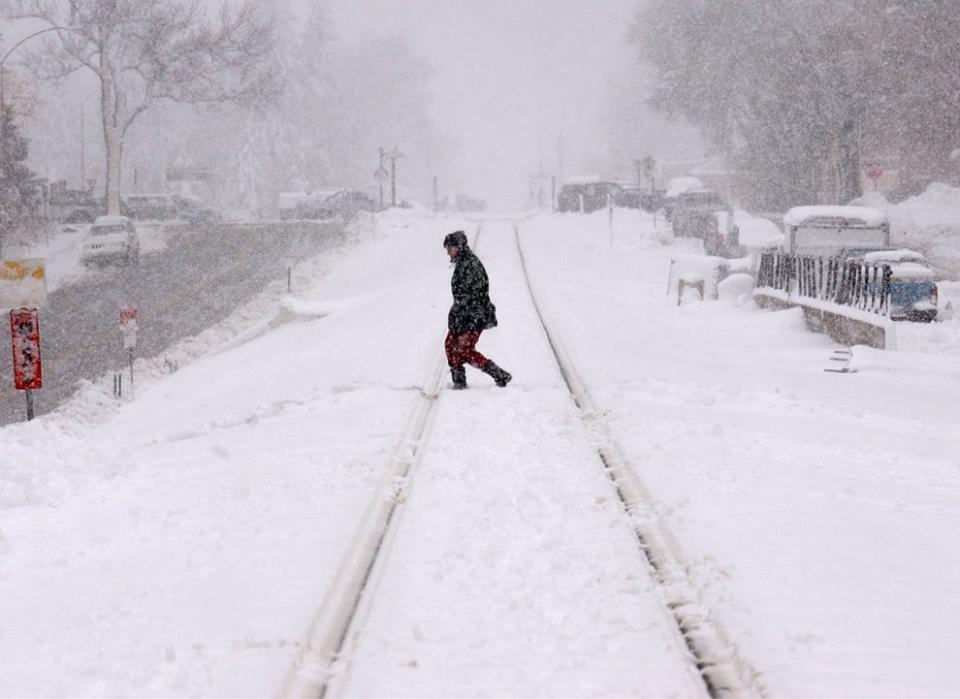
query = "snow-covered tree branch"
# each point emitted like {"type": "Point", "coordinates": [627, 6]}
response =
{"type": "Point", "coordinates": [143, 51]}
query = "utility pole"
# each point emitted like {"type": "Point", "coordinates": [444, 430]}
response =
{"type": "Point", "coordinates": [380, 175]}
{"type": "Point", "coordinates": [540, 186]}
{"type": "Point", "coordinates": [393, 154]}
{"type": "Point", "coordinates": [560, 155]}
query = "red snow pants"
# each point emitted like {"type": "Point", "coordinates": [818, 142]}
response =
{"type": "Point", "coordinates": [461, 349]}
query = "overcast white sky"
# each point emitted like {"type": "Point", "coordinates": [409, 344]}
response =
{"type": "Point", "coordinates": [511, 75]}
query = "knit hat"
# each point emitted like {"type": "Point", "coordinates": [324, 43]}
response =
{"type": "Point", "coordinates": [457, 239]}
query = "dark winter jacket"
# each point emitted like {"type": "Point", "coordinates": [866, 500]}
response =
{"type": "Point", "coordinates": [471, 309]}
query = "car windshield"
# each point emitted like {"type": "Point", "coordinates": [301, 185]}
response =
{"type": "Point", "coordinates": [909, 293]}
{"type": "Point", "coordinates": [111, 229]}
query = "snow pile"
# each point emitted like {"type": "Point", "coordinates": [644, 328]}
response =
{"type": "Point", "coordinates": [679, 185]}
{"type": "Point", "coordinates": [581, 179]}
{"type": "Point", "coordinates": [929, 222]}
{"type": "Point", "coordinates": [757, 232]}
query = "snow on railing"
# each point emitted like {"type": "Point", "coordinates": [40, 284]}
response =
{"type": "Point", "coordinates": [834, 280]}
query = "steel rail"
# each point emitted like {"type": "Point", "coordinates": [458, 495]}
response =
{"type": "Point", "coordinates": [724, 672]}
{"type": "Point", "coordinates": [329, 632]}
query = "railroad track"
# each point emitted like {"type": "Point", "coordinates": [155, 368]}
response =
{"type": "Point", "coordinates": [710, 650]}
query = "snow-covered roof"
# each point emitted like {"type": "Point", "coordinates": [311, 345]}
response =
{"type": "Point", "coordinates": [289, 200]}
{"type": "Point", "coordinates": [911, 271]}
{"type": "Point", "coordinates": [904, 264]}
{"type": "Point", "coordinates": [111, 221]}
{"type": "Point", "coordinates": [829, 215]}
{"type": "Point", "coordinates": [679, 185]}
{"type": "Point", "coordinates": [903, 255]}
{"type": "Point", "coordinates": [581, 179]}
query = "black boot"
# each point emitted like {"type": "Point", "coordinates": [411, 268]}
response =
{"type": "Point", "coordinates": [501, 377]}
{"type": "Point", "coordinates": [459, 376]}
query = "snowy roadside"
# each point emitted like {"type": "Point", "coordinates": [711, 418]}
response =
{"type": "Point", "coordinates": [62, 246]}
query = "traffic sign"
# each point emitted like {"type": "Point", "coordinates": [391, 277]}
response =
{"type": "Point", "coordinates": [381, 174]}
{"type": "Point", "coordinates": [128, 326]}
{"type": "Point", "coordinates": [874, 171]}
{"type": "Point", "coordinates": [25, 334]}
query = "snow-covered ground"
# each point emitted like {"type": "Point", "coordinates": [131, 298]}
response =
{"type": "Point", "coordinates": [182, 543]}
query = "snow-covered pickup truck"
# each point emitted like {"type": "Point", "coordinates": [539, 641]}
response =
{"type": "Point", "coordinates": [834, 231]}
{"type": "Point", "coordinates": [913, 289]}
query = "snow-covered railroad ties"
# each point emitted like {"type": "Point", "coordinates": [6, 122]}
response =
{"type": "Point", "coordinates": [368, 599]}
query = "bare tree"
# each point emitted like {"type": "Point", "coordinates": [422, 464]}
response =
{"type": "Point", "coordinates": [143, 51]}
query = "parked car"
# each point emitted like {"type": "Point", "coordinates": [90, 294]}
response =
{"type": "Point", "coordinates": [111, 238]}
{"type": "Point", "coordinates": [913, 289]}
{"type": "Point", "coordinates": [634, 197]}
{"type": "Point", "coordinates": [688, 211]}
{"type": "Point", "coordinates": [629, 195]}
{"type": "Point", "coordinates": [72, 205]}
{"type": "Point", "coordinates": [587, 195]}
{"type": "Point", "coordinates": [346, 203]}
{"type": "Point", "coordinates": [154, 207]}
{"type": "Point", "coordinates": [203, 214]}
{"type": "Point", "coordinates": [302, 205]}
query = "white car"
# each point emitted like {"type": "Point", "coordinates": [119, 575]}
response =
{"type": "Point", "coordinates": [111, 238]}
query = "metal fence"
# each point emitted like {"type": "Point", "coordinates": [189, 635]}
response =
{"type": "Point", "coordinates": [832, 279]}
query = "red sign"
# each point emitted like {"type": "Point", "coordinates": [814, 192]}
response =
{"type": "Point", "coordinates": [127, 313]}
{"type": "Point", "coordinates": [25, 331]}
{"type": "Point", "coordinates": [874, 171]}
{"type": "Point", "coordinates": [128, 326]}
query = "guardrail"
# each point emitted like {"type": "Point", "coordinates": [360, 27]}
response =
{"type": "Point", "coordinates": [834, 280]}
{"type": "Point", "coordinates": [848, 300]}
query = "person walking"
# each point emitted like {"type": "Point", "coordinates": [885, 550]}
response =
{"type": "Point", "coordinates": [472, 312]}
